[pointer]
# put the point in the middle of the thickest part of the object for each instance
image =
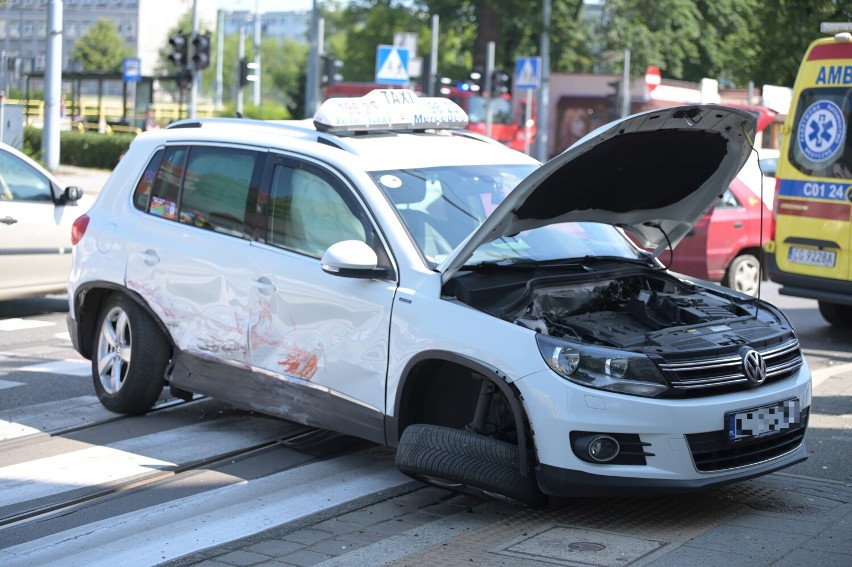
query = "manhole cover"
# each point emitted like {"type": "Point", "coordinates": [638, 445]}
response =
{"type": "Point", "coordinates": [563, 545]}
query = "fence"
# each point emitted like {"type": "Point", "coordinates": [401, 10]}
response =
{"type": "Point", "coordinates": [108, 115]}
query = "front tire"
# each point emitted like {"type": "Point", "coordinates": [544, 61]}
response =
{"type": "Point", "coordinates": [465, 462]}
{"type": "Point", "coordinates": [130, 357]}
{"type": "Point", "coordinates": [744, 274]}
{"type": "Point", "coordinates": [836, 314]}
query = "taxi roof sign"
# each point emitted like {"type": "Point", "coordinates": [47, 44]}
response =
{"type": "Point", "coordinates": [389, 109]}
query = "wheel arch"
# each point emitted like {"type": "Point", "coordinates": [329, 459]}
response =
{"type": "Point", "coordinates": [419, 383]}
{"type": "Point", "coordinates": [88, 300]}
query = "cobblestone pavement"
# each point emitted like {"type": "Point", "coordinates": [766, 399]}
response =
{"type": "Point", "coordinates": [783, 519]}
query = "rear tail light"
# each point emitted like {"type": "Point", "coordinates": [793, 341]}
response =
{"type": "Point", "coordinates": [78, 229]}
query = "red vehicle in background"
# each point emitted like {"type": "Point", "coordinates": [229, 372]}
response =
{"type": "Point", "coordinates": [724, 246]}
{"type": "Point", "coordinates": [507, 119]}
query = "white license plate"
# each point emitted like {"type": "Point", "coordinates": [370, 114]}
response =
{"type": "Point", "coordinates": [764, 420]}
{"type": "Point", "coordinates": [811, 257]}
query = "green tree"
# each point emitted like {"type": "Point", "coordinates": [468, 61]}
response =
{"type": "Point", "coordinates": [101, 49]}
{"type": "Point", "coordinates": [784, 30]}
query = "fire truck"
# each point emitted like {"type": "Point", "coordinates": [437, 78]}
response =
{"type": "Point", "coordinates": [507, 115]}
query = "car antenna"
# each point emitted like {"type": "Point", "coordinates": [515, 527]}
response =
{"type": "Point", "coordinates": [240, 114]}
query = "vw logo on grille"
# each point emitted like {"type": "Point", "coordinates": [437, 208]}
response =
{"type": "Point", "coordinates": [754, 367]}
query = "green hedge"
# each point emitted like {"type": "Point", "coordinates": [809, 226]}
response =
{"type": "Point", "coordinates": [83, 149]}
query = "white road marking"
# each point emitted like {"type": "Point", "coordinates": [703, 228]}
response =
{"type": "Point", "coordinates": [65, 367]}
{"type": "Point", "coordinates": [51, 416]}
{"type": "Point", "coordinates": [21, 324]}
{"type": "Point", "coordinates": [9, 384]}
{"type": "Point", "coordinates": [162, 533]}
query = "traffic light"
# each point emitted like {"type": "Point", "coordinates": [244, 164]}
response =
{"type": "Point", "coordinates": [499, 83]}
{"type": "Point", "coordinates": [248, 72]}
{"type": "Point", "coordinates": [184, 78]}
{"type": "Point", "coordinates": [201, 52]}
{"type": "Point", "coordinates": [475, 81]}
{"type": "Point", "coordinates": [330, 65]}
{"type": "Point", "coordinates": [613, 100]}
{"type": "Point", "coordinates": [180, 45]}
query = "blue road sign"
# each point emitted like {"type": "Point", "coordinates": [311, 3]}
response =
{"type": "Point", "coordinates": [528, 73]}
{"type": "Point", "coordinates": [392, 65]}
{"type": "Point", "coordinates": [132, 69]}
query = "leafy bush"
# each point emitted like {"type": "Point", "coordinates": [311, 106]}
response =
{"type": "Point", "coordinates": [83, 149]}
{"type": "Point", "coordinates": [267, 111]}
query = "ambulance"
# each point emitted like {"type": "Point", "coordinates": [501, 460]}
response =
{"type": "Point", "coordinates": [811, 252]}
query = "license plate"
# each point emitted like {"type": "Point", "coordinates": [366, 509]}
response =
{"type": "Point", "coordinates": [765, 420]}
{"type": "Point", "coordinates": [811, 257]}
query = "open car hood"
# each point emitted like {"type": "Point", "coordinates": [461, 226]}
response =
{"type": "Point", "coordinates": [650, 173]}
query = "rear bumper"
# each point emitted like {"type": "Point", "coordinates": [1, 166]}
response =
{"type": "Point", "coordinates": [797, 285]}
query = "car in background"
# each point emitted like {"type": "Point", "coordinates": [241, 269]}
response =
{"type": "Point", "coordinates": [36, 214]}
{"type": "Point", "coordinates": [724, 246]}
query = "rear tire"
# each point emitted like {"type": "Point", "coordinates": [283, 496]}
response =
{"type": "Point", "coordinates": [129, 357]}
{"type": "Point", "coordinates": [744, 274]}
{"type": "Point", "coordinates": [836, 314]}
{"type": "Point", "coordinates": [465, 462]}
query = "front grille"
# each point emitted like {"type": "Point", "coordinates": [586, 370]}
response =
{"type": "Point", "coordinates": [713, 376]}
{"type": "Point", "coordinates": [712, 452]}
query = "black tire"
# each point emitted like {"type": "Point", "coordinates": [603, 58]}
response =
{"type": "Point", "coordinates": [129, 357]}
{"type": "Point", "coordinates": [744, 274]}
{"type": "Point", "coordinates": [465, 462]}
{"type": "Point", "coordinates": [836, 314]}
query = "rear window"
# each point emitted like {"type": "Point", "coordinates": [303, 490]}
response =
{"type": "Point", "coordinates": [820, 144]}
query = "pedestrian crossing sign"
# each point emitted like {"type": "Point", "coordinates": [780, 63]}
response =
{"type": "Point", "coordinates": [392, 65]}
{"type": "Point", "coordinates": [528, 73]}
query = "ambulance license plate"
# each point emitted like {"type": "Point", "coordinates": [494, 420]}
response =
{"type": "Point", "coordinates": [764, 420]}
{"type": "Point", "coordinates": [811, 257]}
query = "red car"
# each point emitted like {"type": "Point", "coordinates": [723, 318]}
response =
{"type": "Point", "coordinates": [724, 245]}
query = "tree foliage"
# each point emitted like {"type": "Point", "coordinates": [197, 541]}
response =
{"type": "Point", "coordinates": [101, 49]}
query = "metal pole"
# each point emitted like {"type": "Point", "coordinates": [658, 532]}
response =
{"type": "Point", "coordinates": [196, 76]}
{"type": "Point", "coordinates": [52, 85]}
{"type": "Point", "coordinates": [489, 72]}
{"type": "Point", "coordinates": [625, 85]}
{"type": "Point", "coordinates": [311, 81]}
{"type": "Point", "coordinates": [527, 120]}
{"type": "Point", "coordinates": [220, 54]}
{"type": "Point", "coordinates": [257, 52]}
{"type": "Point", "coordinates": [433, 58]}
{"type": "Point", "coordinates": [241, 53]}
{"type": "Point", "coordinates": [541, 130]}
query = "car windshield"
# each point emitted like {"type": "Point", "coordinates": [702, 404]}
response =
{"type": "Point", "coordinates": [441, 206]}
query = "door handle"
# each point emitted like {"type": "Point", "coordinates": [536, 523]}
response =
{"type": "Point", "coordinates": [264, 285]}
{"type": "Point", "coordinates": [150, 257]}
{"type": "Point", "coordinates": [8, 220]}
{"type": "Point", "coordinates": [738, 224]}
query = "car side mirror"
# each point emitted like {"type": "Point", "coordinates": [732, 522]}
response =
{"type": "Point", "coordinates": [71, 195]}
{"type": "Point", "coordinates": [351, 259]}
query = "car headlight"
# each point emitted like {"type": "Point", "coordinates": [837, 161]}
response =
{"type": "Point", "coordinates": [603, 368]}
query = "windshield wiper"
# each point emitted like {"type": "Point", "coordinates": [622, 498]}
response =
{"type": "Point", "coordinates": [577, 264]}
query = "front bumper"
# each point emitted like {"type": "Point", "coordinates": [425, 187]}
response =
{"type": "Point", "coordinates": [563, 482]}
{"type": "Point", "coordinates": [685, 439]}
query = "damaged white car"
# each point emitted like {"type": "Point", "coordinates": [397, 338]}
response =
{"type": "Point", "coordinates": [382, 273]}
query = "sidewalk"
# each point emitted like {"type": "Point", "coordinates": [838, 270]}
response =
{"type": "Point", "coordinates": [783, 519]}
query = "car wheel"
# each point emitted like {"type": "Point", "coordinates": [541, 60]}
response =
{"type": "Point", "coordinates": [836, 314]}
{"type": "Point", "coordinates": [465, 462]}
{"type": "Point", "coordinates": [130, 357]}
{"type": "Point", "coordinates": [744, 274]}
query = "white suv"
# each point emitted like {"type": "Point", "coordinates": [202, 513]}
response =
{"type": "Point", "coordinates": [383, 273]}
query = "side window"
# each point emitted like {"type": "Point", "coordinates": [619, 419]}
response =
{"type": "Point", "coordinates": [216, 187]}
{"type": "Point", "coordinates": [166, 188]}
{"type": "Point", "coordinates": [728, 200]}
{"type": "Point", "coordinates": [20, 182]}
{"type": "Point", "coordinates": [142, 194]}
{"type": "Point", "coordinates": [308, 212]}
